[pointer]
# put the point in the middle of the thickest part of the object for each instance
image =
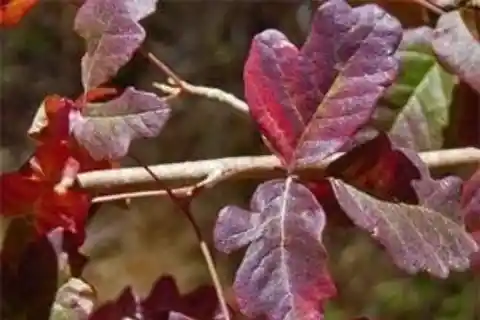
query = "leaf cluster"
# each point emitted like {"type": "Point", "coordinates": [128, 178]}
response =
{"type": "Point", "coordinates": [359, 85]}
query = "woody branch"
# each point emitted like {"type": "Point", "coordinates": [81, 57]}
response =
{"type": "Point", "coordinates": [206, 173]}
{"type": "Point", "coordinates": [188, 177]}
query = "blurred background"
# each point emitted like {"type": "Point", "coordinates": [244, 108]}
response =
{"type": "Point", "coordinates": [206, 43]}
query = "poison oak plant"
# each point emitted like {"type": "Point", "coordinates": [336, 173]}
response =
{"type": "Point", "coordinates": [344, 116]}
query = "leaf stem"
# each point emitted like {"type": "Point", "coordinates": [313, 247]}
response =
{"type": "Point", "coordinates": [169, 72]}
{"type": "Point", "coordinates": [430, 6]}
{"type": "Point", "coordinates": [216, 280]}
{"type": "Point", "coordinates": [202, 91]}
{"type": "Point", "coordinates": [184, 205]}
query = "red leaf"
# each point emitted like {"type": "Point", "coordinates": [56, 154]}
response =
{"type": "Point", "coordinates": [12, 11]}
{"type": "Point", "coordinates": [17, 193]}
{"type": "Point", "coordinates": [49, 194]}
{"type": "Point", "coordinates": [393, 173]}
{"type": "Point", "coordinates": [51, 126]}
{"type": "Point", "coordinates": [95, 95]}
{"type": "Point", "coordinates": [380, 168]}
{"type": "Point", "coordinates": [283, 274]}
{"type": "Point", "coordinates": [67, 210]}
{"type": "Point", "coordinates": [52, 120]}
{"type": "Point", "coordinates": [309, 102]}
{"type": "Point", "coordinates": [324, 193]}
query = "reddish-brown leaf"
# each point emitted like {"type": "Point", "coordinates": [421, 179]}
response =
{"type": "Point", "coordinates": [391, 172]}
{"type": "Point", "coordinates": [309, 102]}
{"type": "Point", "coordinates": [164, 302]}
{"type": "Point", "coordinates": [380, 168]}
{"type": "Point", "coordinates": [324, 193]}
{"type": "Point", "coordinates": [12, 11]}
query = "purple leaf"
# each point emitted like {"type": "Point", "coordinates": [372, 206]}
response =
{"type": "Point", "coordinates": [418, 238]}
{"type": "Point", "coordinates": [112, 34]}
{"type": "Point", "coordinates": [107, 130]}
{"type": "Point", "coordinates": [441, 195]}
{"type": "Point", "coordinates": [283, 274]}
{"type": "Point", "coordinates": [457, 48]}
{"type": "Point", "coordinates": [309, 102]}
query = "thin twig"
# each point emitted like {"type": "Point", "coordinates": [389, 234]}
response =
{"type": "Point", "coordinates": [216, 280]}
{"type": "Point", "coordinates": [259, 167]}
{"type": "Point", "coordinates": [179, 202]}
{"type": "Point", "coordinates": [184, 206]}
{"type": "Point", "coordinates": [185, 87]}
{"type": "Point", "coordinates": [188, 191]}
{"type": "Point", "coordinates": [169, 72]}
{"type": "Point", "coordinates": [207, 92]}
{"type": "Point", "coordinates": [430, 6]}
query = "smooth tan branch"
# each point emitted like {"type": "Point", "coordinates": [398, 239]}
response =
{"type": "Point", "coordinates": [206, 173]}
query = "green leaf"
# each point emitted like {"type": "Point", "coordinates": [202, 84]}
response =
{"type": "Point", "coordinates": [416, 106]}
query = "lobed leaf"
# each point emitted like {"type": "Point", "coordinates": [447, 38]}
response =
{"type": "Point", "coordinates": [164, 302]}
{"type": "Point", "coordinates": [112, 34]}
{"type": "Point", "coordinates": [283, 274]}
{"type": "Point", "coordinates": [106, 130]}
{"type": "Point", "coordinates": [417, 237]}
{"type": "Point", "coordinates": [418, 103]}
{"type": "Point", "coordinates": [309, 102]}
{"type": "Point", "coordinates": [456, 46]}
